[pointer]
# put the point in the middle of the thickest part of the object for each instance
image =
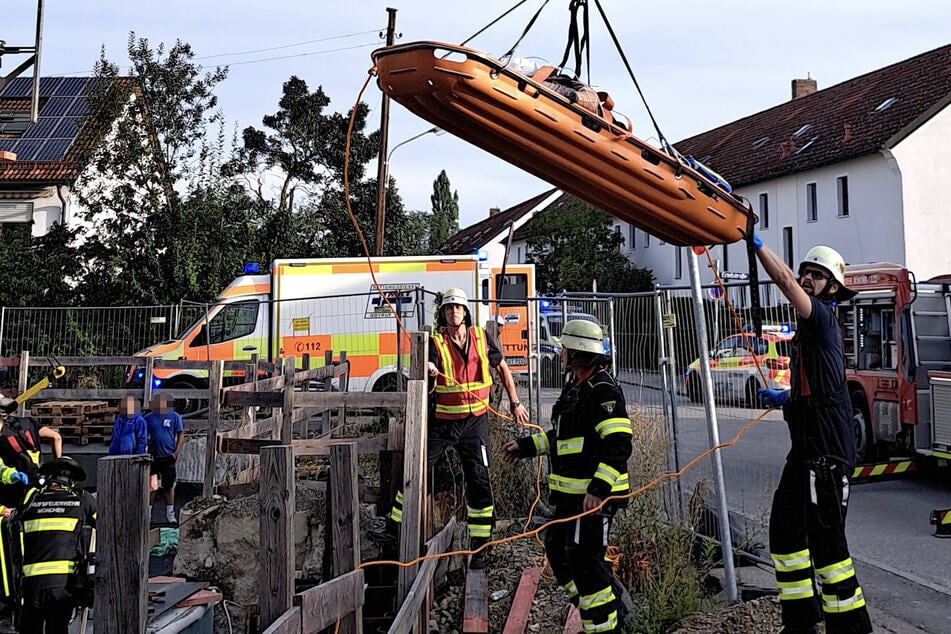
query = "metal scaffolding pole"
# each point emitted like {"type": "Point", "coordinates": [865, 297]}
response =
{"type": "Point", "coordinates": [726, 536]}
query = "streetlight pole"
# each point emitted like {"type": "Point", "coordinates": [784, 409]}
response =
{"type": "Point", "coordinates": [384, 134]}
{"type": "Point", "coordinates": [384, 182]}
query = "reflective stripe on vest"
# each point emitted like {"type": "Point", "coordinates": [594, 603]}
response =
{"type": "Point", "coordinates": [67, 524]}
{"type": "Point", "coordinates": [61, 567]}
{"type": "Point", "coordinates": [456, 398]}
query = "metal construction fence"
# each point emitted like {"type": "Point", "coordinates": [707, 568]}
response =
{"type": "Point", "coordinates": [653, 344]}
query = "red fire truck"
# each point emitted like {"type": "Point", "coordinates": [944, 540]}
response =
{"type": "Point", "coordinates": [897, 337]}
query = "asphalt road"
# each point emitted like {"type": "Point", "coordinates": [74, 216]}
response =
{"type": "Point", "coordinates": [904, 570]}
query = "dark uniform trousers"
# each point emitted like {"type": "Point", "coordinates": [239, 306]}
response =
{"type": "Point", "coordinates": [50, 607]}
{"type": "Point", "coordinates": [807, 538]}
{"type": "Point", "coordinates": [576, 552]}
{"type": "Point", "coordinates": [470, 436]}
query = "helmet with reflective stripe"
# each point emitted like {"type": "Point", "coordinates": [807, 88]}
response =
{"type": "Point", "coordinates": [64, 465]}
{"type": "Point", "coordinates": [830, 260]}
{"type": "Point", "coordinates": [582, 335]}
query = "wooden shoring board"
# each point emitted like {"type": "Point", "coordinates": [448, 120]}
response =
{"type": "Point", "coordinates": [573, 622]}
{"type": "Point", "coordinates": [475, 619]}
{"type": "Point", "coordinates": [522, 603]}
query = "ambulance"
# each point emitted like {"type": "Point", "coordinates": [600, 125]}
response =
{"type": "Point", "coordinates": [310, 306]}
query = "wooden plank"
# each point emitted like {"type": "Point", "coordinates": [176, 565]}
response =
{"type": "Point", "coordinates": [239, 490]}
{"type": "Point", "coordinates": [522, 603]}
{"type": "Point", "coordinates": [287, 623]}
{"type": "Point", "coordinates": [345, 533]}
{"type": "Point", "coordinates": [287, 403]}
{"type": "Point", "coordinates": [343, 383]}
{"type": "Point", "coordinates": [250, 474]}
{"type": "Point", "coordinates": [330, 400]}
{"type": "Point", "coordinates": [246, 445]}
{"type": "Point", "coordinates": [23, 381]}
{"type": "Point", "coordinates": [214, 414]}
{"type": "Point", "coordinates": [120, 603]}
{"type": "Point", "coordinates": [323, 605]}
{"type": "Point", "coordinates": [242, 398]}
{"type": "Point", "coordinates": [475, 618]}
{"type": "Point", "coordinates": [573, 621]}
{"type": "Point", "coordinates": [414, 483]}
{"type": "Point", "coordinates": [405, 619]}
{"type": "Point", "coordinates": [276, 506]}
{"type": "Point", "coordinates": [252, 430]}
{"type": "Point", "coordinates": [272, 384]}
{"type": "Point", "coordinates": [321, 446]}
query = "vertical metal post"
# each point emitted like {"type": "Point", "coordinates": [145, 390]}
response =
{"type": "Point", "coordinates": [38, 44]}
{"type": "Point", "coordinates": [726, 538]}
{"type": "Point", "coordinates": [381, 171]}
{"type": "Point", "coordinates": [612, 333]}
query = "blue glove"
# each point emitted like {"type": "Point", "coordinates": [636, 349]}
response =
{"type": "Point", "coordinates": [19, 477]}
{"type": "Point", "coordinates": [757, 243]}
{"type": "Point", "coordinates": [773, 398]}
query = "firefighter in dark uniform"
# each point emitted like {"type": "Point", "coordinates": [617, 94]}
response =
{"type": "Point", "coordinates": [461, 358]}
{"type": "Point", "coordinates": [589, 445]}
{"type": "Point", "coordinates": [807, 520]}
{"type": "Point", "coordinates": [54, 569]}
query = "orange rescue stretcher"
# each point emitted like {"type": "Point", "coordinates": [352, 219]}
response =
{"type": "Point", "coordinates": [587, 153]}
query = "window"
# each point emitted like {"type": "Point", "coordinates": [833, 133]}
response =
{"type": "Point", "coordinates": [647, 239]}
{"type": "Point", "coordinates": [16, 212]}
{"type": "Point", "coordinates": [233, 321]}
{"type": "Point", "coordinates": [812, 213]}
{"type": "Point", "coordinates": [514, 286]}
{"type": "Point", "coordinates": [788, 247]}
{"type": "Point", "coordinates": [726, 259]}
{"type": "Point", "coordinates": [764, 211]}
{"type": "Point", "coordinates": [518, 255]}
{"type": "Point", "coordinates": [678, 264]}
{"type": "Point", "coordinates": [842, 193]}
{"type": "Point", "coordinates": [631, 244]}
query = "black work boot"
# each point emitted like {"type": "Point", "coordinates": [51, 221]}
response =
{"type": "Point", "coordinates": [804, 629]}
{"type": "Point", "coordinates": [477, 561]}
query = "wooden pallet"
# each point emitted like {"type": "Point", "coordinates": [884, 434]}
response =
{"type": "Point", "coordinates": [70, 408]}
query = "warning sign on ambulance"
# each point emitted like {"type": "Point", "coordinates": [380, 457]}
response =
{"type": "Point", "coordinates": [399, 297]}
{"type": "Point", "coordinates": [300, 324]}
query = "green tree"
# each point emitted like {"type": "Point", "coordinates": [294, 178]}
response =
{"type": "Point", "coordinates": [572, 245]}
{"type": "Point", "coordinates": [37, 271]}
{"type": "Point", "coordinates": [142, 245]}
{"type": "Point", "coordinates": [444, 221]}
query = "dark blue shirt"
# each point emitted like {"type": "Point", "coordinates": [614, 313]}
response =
{"type": "Point", "coordinates": [129, 435]}
{"type": "Point", "coordinates": [163, 431]}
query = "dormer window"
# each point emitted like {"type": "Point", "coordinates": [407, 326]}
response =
{"type": "Point", "coordinates": [801, 131]}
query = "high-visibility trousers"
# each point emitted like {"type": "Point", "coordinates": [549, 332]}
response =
{"type": "Point", "coordinates": [806, 540]}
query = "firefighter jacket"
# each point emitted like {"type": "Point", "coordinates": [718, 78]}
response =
{"type": "Point", "coordinates": [589, 443]}
{"type": "Point", "coordinates": [53, 518]}
{"type": "Point", "coordinates": [20, 445]}
{"type": "Point", "coordinates": [462, 387]}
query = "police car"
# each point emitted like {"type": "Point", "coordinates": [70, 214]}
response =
{"type": "Point", "coordinates": [739, 363]}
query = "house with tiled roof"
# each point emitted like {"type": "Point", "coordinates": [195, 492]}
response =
{"type": "Point", "coordinates": [860, 166]}
{"type": "Point", "coordinates": [40, 162]}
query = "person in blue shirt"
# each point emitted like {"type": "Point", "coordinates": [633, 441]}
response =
{"type": "Point", "coordinates": [129, 435]}
{"type": "Point", "coordinates": [166, 436]}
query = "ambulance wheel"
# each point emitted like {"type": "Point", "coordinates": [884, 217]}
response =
{"type": "Point", "coordinates": [751, 391]}
{"type": "Point", "coordinates": [392, 382]}
{"type": "Point", "coordinates": [188, 405]}
{"type": "Point", "coordinates": [864, 441]}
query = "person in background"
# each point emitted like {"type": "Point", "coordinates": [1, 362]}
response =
{"type": "Point", "coordinates": [54, 565]}
{"type": "Point", "coordinates": [588, 446]}
{"type": "Point", "coordinates": [807, 519]}
{"type": "Point", "coordinates": [129, 434]}
{"type": "Point", "coordinates": [166, 435]}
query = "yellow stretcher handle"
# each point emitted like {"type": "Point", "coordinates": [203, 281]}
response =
{"type": "Point", "coordinates": [57, 372]}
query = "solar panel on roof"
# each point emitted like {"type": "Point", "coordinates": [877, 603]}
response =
{"type": "Point", "coordinates": [42, 129]}
{"type": "Point", "coordinates": [6, 145]}
{"type": "Point", "coordinates": [78, 108]}
{"type": "Point", "coordinates": [48, 85]}
{"type": "Point", "coordinates": [66, 127]}
{"type": "Point", "coordinates": [56, 106]}
{"type": "Point", "coordinates": [53, 150]}
{"type": "Point", "coordinates": [26, 149]}
{"type": "Point", "coordinates": [19, 87]}
{"type": "Point", "coordinates": [71, 87]}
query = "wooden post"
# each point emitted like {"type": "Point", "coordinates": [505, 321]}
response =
{"type": "Point", "coordinates": [305, 387]}
{"type": "Point", "coordinates": [414, 481]}
{"type": "Point", "coordinates": [23, 381]}
{"type": "Point", "coordinates": [276, 506]}
{"type": "Point", "coordinates": [345, 504]}
{"type": "Point", "coordinates": [342, 386]}
{"type": "Point", "coordinates": [419, 370]}
{"type": "Point", "coordinates": [250, 376]}
{"type": "Point", "coordinates": [325, 422]}
{"type": "Point", "coordinates": [287, 410]}
{"type": "Point", "coordinates": [147, 381]}
{"type": "Point", "coordinates": [122, 557]}
{"type": "Point", "coordinates": [215, 374]}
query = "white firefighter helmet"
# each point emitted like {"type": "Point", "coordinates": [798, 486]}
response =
{"type": "Point", "coordinates": [454, 297]}
{"type": "Point", "coordinates": [830, 260]}
{"type": "Point", "coordinates": [582, 335]}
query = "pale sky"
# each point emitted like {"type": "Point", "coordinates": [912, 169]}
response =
{"type": "Point", "coordinates": [701, 64]}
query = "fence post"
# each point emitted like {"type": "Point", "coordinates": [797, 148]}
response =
{"type": "Point", "coordinates": [276, 506]}
{"type": "Point", "coordinates": [305, 387]}
{"type": "Point", "coordinates": [215, 372]}
{"type": "Point", "coordinates": [287, 409]}
{"type": "Point", "coordinates": [345, 508]}
{"type": "Point", "coordinates": [122, 558]}
{"type": "Point", "coordinates": [414, 482]}
{"type": "Point", "coordinates": [342, 386]}
{"type": "Point", "coordinates": [147, 381]}
{"type": "Point", "coordinates": [23, 381]}
{"type": "Point", "coordinates": [325, 422]}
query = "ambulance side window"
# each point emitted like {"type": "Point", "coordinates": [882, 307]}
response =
{"type": "Point", "coordinates": [234, 321]}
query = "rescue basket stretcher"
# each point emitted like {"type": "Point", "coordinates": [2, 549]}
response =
{"type": "Point", "coordinates": [530, 125]}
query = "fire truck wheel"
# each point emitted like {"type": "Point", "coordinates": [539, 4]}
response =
{"type": "Point", "coordinates": [864, 442]}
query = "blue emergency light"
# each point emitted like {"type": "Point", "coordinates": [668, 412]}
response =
{"type": "Point", "coordinates": [252, 268]}
{"type": "Point", "coordinates": [785, 329]}
{"type": "Point", "coordinates": [483, 255]}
